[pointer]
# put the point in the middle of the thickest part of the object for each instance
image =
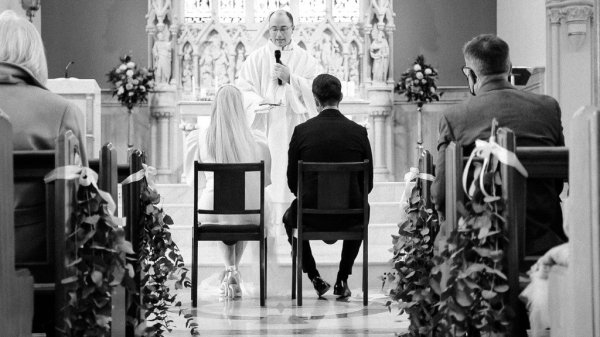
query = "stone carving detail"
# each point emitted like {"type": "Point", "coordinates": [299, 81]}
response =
{"type": "Point", "coordinates": [578, 13]}
{"type": "Point", "coordinates": [187, 69]}
{"type": "Point", "coordinates": [382, 11]}
{"type": "Point", "coordinates": [346, 10]}
{"type": "Point", "coordinates": [380, 53]}
{"type": "Point", "coordinates": [214, 66]}
{"type": "Point", "coordinates": [555, 15]}
{"type": "Point", "coordinates": [161, 54]}
{"type": "Point", "coordinates": [158, 11]}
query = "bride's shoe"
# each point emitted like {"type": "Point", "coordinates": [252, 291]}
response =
{"type": "Point", "coordinates": [235, 281]}
{"type": "Point", "coordinates": [224, 285]}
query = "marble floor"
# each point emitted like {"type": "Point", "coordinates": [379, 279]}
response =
{"type": "Point", "coordinates": [281, 317]}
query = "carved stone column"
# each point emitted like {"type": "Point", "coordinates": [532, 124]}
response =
{"type": "Point", "coordinates": [380, 109]}
{"type": "Point", "coordinates": [571, 55]}
{"type": "Point", "coordinates": [163, 134]}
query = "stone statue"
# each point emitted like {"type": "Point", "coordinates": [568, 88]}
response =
{"type": "Point", "coordinates": [187, 69]}
{"type": "Point", "coordinates": [380, 52]}
{"type": "Point", "coordinates": [326, 52]}
{"type": "Point", "coordinates": [353, 64]}
{"type": "Point", "coordinates": [220, 61]}
{"type": "Point", "coordinates": [206, 72]}
{"type": "Point", "coordinates": [240, 56]}
{"type": "Point", "coordinates": [161, 54]}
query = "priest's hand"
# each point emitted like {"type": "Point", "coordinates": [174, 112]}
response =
{"type": "Point", "coordinates": [282, 72]}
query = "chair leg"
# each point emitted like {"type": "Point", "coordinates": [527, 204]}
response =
{"type": "Point", "coordinates": [262, 272]}
{"type": "Point", "coordinates": [365, 272]}
{"type": "Point", "coordinates": [294, 268]}
{"type": "Point", "coordinates": [299, 271]}
{"type": "Point", "coordinates": [194, 271]}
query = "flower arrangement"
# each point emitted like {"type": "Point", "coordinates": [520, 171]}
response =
{"type": "Point", "coordinates": [130, 83]}
{"type": "Point", "coordinates": [418, 83]}
{"type": "Point", "coordinates": [413, 261]}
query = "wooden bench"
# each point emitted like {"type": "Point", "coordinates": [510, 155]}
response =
{"type": "Point", "coordinates": [540, 162]}
{"type": "Point", "coordinates": [16, 287]}
{"type": "Point", "coordinates": [51, 214]}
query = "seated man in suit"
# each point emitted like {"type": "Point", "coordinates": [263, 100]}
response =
{"type": "Point", "coordinates": [535, 120]}
{"type": "Point", "coordinates": [328, 137]}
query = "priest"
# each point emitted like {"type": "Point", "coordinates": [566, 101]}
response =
{"type": "Point", "coordinates": [276, 82]}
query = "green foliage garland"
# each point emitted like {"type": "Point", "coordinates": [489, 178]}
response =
{"type": "Point", "coordinates": [96, 249]}
{"type": "Point", "coordinates": [472, 300]}
{"type": "Point", "coordinates": [413, 261]}
{"type": "Point", "coordinates": [160, 261]}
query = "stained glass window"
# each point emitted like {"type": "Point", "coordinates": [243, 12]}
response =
{"type": "Point", "coordinates": [312, 10]}
{"type": "Point", "coordinates": [345, 10]}
{"type": "Point", "coordinates": [232, 11]}
{"type": "Point", "coordinates": [197, 10]}
{"type": "Point", "coordinates": [262, 8]}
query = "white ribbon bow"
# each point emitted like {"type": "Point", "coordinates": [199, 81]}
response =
{"type": "Point", "coordinates": [86, 177]}
{"type": "Point", "coordinates": [483, 150]}
{"type": "Point", "coordinates": [147, 172]}
{"type": "Point", "coordinates": [414, 173]}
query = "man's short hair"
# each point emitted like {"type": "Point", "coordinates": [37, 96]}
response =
{"type": "Point", "coordinates": [327, 89]}
{"type": "Point", "coordinates": [489, 53]}
{"type": "Point", "coordinates": [289, 15]}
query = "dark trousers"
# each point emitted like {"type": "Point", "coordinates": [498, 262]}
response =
{"type": "Point", "coordinates": [349, 249]}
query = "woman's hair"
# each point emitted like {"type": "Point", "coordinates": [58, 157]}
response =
{"type": "Point", "coordinates": [228, 138]}
{"type": "Point", "coordinates": [21, 44]}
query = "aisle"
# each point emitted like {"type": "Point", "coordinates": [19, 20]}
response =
{"type": "Point", "coordinates": [317, 317]}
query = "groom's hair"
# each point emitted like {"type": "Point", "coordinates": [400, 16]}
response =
{"type": "Point", "coordinates": [327, 89]}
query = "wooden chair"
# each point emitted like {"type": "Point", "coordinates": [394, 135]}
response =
{"type": "Point", "coordinates": [54, 212]}
{"type": "Point", "coordinates": [333, 198]}
{"type": "Point", "coordinates": [229, 198]}
{"type": "Point", "coordinates": [16, 287]}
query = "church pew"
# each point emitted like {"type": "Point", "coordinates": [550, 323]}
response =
{"type": "Point", "coordinates": [53, 211]}
{"type": "Point", "coordinates": [574, 291]}
{"type": "Point", "coordinates": [540, 162]}
{"type": "Point", "coordinates": [16, 287]}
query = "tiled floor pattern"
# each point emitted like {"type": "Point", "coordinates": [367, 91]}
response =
{"type": "Point", "coordinates": [281, 317]}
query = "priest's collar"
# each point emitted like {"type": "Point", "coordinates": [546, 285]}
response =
{"type": "Point", "coordinates": [288, 47]}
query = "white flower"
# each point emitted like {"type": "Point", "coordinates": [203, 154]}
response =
{"type": "Point", "coordinates": [432, 89]}
{"type": "Point", "coordinates": [142, 88]}
{"type": "Point", "coordinates": [427, 71]}
{"type": "Point", "coordinates": [130, 65]}
{"type": "Point", "coordinates": [419, 75]}
{"type": "Point", "coordinates": [131, 93]}
{"type": "Point", "coordinates": [120, 90]}
{"type": "Point", "coordinates": [118, 70]}
{"type": "Point", "coordinates": [423, 81]}
{"type": "Point", "coordinates": [136, 81]}
{"type": "Point", "coordinates": [118, 83]}
{"type": "Point", "coordinates": [128, 86]}
{"type": "Point", "coordinates": [417, 67]}
{"type": "Point", "coordinates": [129, 73]}
{"type": "Point", "coordinates": [122, 67]}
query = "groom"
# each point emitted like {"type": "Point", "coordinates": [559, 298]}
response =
{"type": "Point", "coordinates": [328, 137]}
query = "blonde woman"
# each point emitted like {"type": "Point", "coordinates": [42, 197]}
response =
{"type": "Point", "coordinates": [227, 139]}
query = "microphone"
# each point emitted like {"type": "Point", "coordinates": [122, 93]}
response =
{"type": "Point", "coordinates": [67, 68]}
{"type": "Point", "coordinates": [278, 60]}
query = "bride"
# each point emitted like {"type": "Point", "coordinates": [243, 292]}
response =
{"type": "Point", "coordinates": [228, 139]}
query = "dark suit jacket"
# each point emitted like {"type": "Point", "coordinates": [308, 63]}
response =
{"type": "Point", "coordinates": [536, 121]}
{"type": "Point", "coordinates": [329, 137]}
{"type": "Point", "coordinates": [37, 116]}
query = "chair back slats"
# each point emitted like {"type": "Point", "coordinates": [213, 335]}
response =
{"type": "Point", "coordinates": [229, 187]}
{"type": "Point", "coordinates": [67, 153]}
{"type": "Point", "coordinates": [7, 230]}
{"type": "Point", "coordinates": [230, 190]}
{"type": "Point", "coordinates": [333, 190]}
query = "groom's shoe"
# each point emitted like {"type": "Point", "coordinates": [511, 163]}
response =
{"type": "Point", "coordinates": [320, 285]}
{"type": "Point", "coordinates": [341, 289]}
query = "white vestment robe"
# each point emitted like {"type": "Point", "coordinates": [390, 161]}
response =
{"type": "Point", "coordinates": [258, 84]}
